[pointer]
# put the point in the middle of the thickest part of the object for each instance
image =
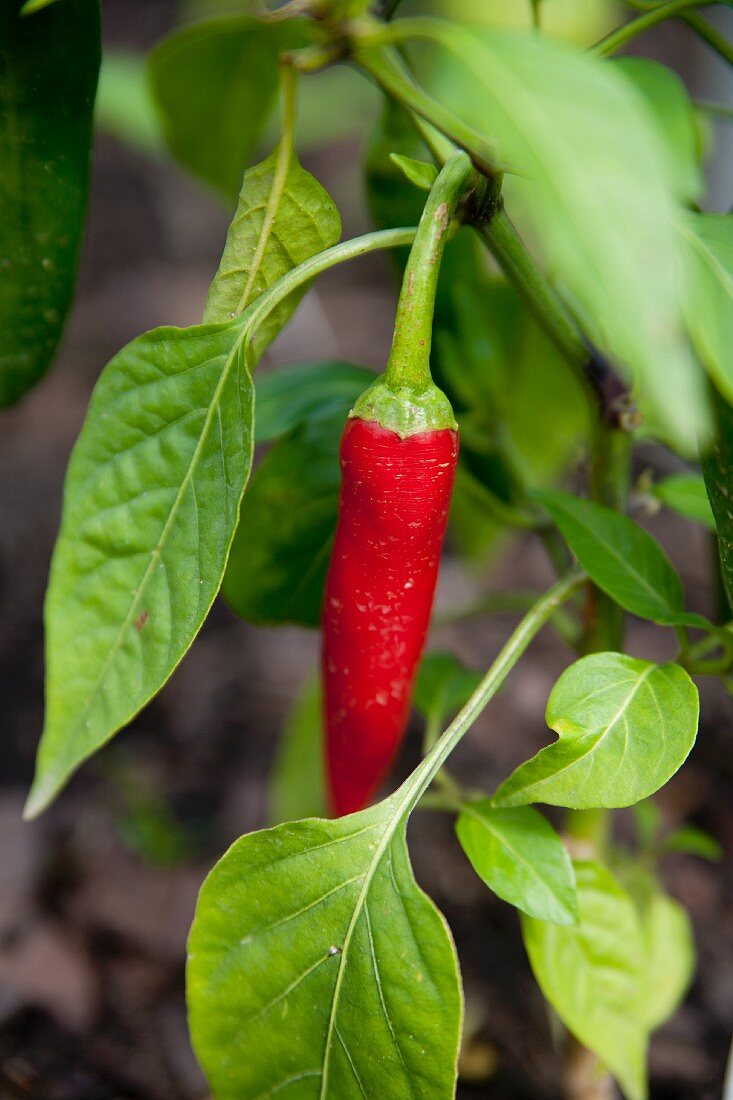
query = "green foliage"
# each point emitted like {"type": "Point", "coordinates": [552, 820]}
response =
{"type": "Point", "coordinates": [559, 119]}
{"type": "Point", "coordinates": [215, 84]}
{"type": "Point", "coordinates": [288, 396]}
{"type": "Point", "coordinates": [297, 782]}
{"type": "Point", "coordinates": [418, 172]}
{"type": "Point", "coordinates": [125, 107]}
{"type": "Point", "coordinates": [624, 728]}
{"type": "Point", "coordinates": [277, 568]}
{"type": "Point", "coordinates": [150, 505]}
{"type": "Point", "coordinates": [695, 842]}
{"type": "Point", "coordinates": [283, 217]}
{"type": "Point", "coordinates": [317, 966]}
{"type": "Point", "coordinates": [521, 858]}
{"type": "Point", "coordinates": [686, 495]}
{"type": "Point", "coordinates": [592, 974]}
{"type": "Point", "coordinates": [48, 76]}
{"type": "Point", "coordinates": [717, 468]}
{"type": "Point", "coordinates": [709, 293]}
{"type": "Point", "coordinates": [669, 956]}
{"type": "Point", "coordinates": [443, 685]}
{"type": "Point", "coordinates": [622, 558]}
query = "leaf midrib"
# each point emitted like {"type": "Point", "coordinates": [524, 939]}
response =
{"type": "Point", "coordinates": [598, 738]}
{"type": "Point", "coordinates": [484, 822]}
{"type": "Point", "coordinates": [155, 554]}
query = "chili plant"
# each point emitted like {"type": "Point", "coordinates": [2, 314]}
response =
{"type": "Point", "coordinates": [565, 295]}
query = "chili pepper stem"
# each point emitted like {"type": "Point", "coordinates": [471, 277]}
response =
{"type": "Point", "coordinates": [409, 360]}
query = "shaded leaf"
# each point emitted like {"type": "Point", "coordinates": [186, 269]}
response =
{"type": "Point", "coordinates": [290, 395]}
{"type": "Point", "coordinates": [521, 858]}
{"type": "Point", "coordinates": [318, 967]}
{"type": "Point", "coordinates": [592, 974]}
{"type": "Point", "coordinates": [48, 76]}
{"type": "Point", "coordinates": [125, 107]}
{"type": "Point", "coordinates": [686, 495]}
{"type": "Point", "coordinates": [717, 468]}
{"type": "Point", "coordinates": [695, 842]}
{"type": "Point", "coordinates": [443, 685]}
{"type": "Point", "coordinates": [419, 172]}
{"type": "Point", "coordinates": [621, 558]}
{"type": "Point", "coordinates": [297, 782]}
{"type": "Point", "coordinates": [709, 293]}
{"type": "Point", "coordinates": [215, 84]}
{"type": "Point", "coordinates": [624, 728]}
{"type": "Point", "coordinates": [280, 555]}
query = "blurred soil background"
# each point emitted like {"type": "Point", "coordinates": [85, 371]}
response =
{"type": "Point", "coordinates": [96, 898]}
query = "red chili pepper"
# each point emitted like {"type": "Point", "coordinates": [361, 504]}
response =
{"type": "Point", "coordinates": [393, 511]}
{"type": "Point", "coordinates": [398, 461]}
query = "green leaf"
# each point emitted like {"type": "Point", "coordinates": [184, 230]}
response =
{"type": "Point", "coordinates": [521, 858]}
{"type": "Point", "coordinates": [297, 782]}
{"type": "Point", "coordinates": [419, 172]}
{"type": "Point", "coordinates": [443, 685]}
{"type": "Point", "coordinates": [290, 395]}
{"type": "Point", "coordinates": [48, 76]}
{"type": "Point", "coordinates": [32, 6]}
{"type": "Point", "coordinates": [669, 957]}
{"type": "Point", "coordinates": [694, 842]}
{"type": "Point", "coordinates": [125, 108]}
{"type": "Point", "coordinates": [717, 468]}
{"type": "Point", "coordinates": [624, 728]}
{"type": "Point", "coordinates": [686, 495]}
{"type": "Point", "coordinates": [280, 555]}
{"type": "Point", "coordinates": [592, 974]}
{"type": "Point", "coordinates": [150, 505]}
{"type": "Point", "coordinates": [667, 98]}
{"type": "Point", "coordinates": [215, 85]}
{"type": "Point", "coordinates": [318, 968]}
{"type": "Point", "coordinates": [709, 293]}
{"type": "Point", "coordinates": [621, 558]}
{"type": "Point", "coordinates": [284, 216]}
{"type": "Point", "coordinates": [592, 175]}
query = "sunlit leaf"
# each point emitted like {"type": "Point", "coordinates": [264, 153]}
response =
{"type": "Point", "coordinates": [318, 968]}
{"type": "Point", "coordinates": [622, 558]}
{"type": "Point", "coordinates": [521, 858]}
{"type": "Point", "coordinates": [592, 974]}
{"type": "Point", "coordinates": [624, 728]}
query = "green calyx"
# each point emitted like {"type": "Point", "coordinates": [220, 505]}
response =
{"type": "Point", "coordinates": [405, 410]}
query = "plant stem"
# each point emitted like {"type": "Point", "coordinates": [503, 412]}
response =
{"type": "Point", "coordinates": [322, 261]}
{"type": "Point", "coordinates": [530, 625]}
{"type": "Point", "coordinates": [536, 14]}
{"type": "Point", "coordinates": [384, 65]}
{"type": "Point", "coordinates": [409, 359]}
{"type": "Point", "coordinates": [618, 38]}
{"type": "Point", "coordinates": [503, 241]}
{"type": "Point", "coordinates": [717, 110]}
{"type": "Point", "coordinates": [709, 34]}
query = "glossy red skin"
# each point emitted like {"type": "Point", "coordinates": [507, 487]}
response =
{"type": "Point", "coordinates": [395, 495]}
